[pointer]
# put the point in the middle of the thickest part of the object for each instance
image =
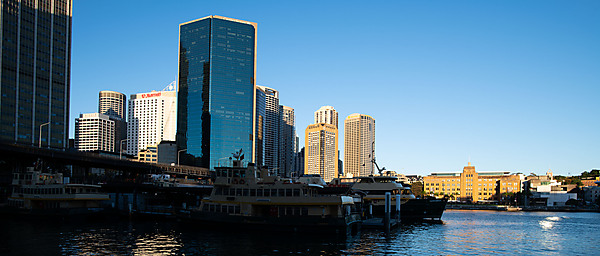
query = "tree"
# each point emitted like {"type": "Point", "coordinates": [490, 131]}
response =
{"type": "Point", "coordinates": [417, 189]}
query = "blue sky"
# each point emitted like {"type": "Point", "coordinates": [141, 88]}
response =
{"type": "Point", "coordinates": [511, 85]}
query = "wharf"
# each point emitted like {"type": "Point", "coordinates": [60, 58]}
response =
{"type": "Point", "coordinates": [377, 223]}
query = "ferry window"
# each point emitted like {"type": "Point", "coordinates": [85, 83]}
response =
{"type": "Point", "coordinates": [304, 211]}
{"type": "Point", "coordinates": [267, 192]}
{"type": "Point", "coordinates": [230, 209]}
{"type": "Point", "coordinates": [305, 192]}
{"type": "Point", "coordinates": [281, 192]}
{"type": "Point", "coordinates": [296, 192]}
{"type": "Point", "coordinates": [237, 209]}
{"type": "Point", "coordinates": [205, 207]}
{"type": "Point", "coordinates": [252, 192]}
{"type": "Point", "coordinates": [211, 207]}
{"type": "Point", "coordinates": [238, 192]}
{"type": "Point", "coordinates": [245, 192]}
{"type": "Point", "coordinates": [288, 192]}
{"type": "Point", "coordinates": [236, 173]}
{"type": "Point", "coordinates": [274, 192]}
{"type": "Point", "coordinates": [224, 208]}
{"type": "Point", "coordinates": [225, 192]}
{"type": "Point", "coordinates": [259, 192]}
{"type": "Point", "coordinates": [218, 191]}
{"type": "Point", "coordinates": [243, 174]}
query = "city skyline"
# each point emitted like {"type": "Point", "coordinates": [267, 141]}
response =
{"type": "Point", "coordinates": [509, 85]}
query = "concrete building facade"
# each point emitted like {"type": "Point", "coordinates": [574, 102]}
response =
{"type": "Point", "coordinates": [94, 132]}
{"type": "Point", "coordinates": [359, 145]}
{"type": "Point", "coordinates": [328, 115]}
{"type": "Point", "coordinates": [321, 153]}
{"type": "Point", "coordinates": [152, 119]}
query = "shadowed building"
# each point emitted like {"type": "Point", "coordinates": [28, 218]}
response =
{"type": "Point", "coordinates": [34, 71]}
{"type": "Point", "coordinates": [216, 98]}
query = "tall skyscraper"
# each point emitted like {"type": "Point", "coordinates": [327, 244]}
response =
{"type": "Point", "coordinates": [259, 138]}
{"type": "Point", "coordinates": [359, 144]}
{"type": "Point", "coordinates": [321, 155]}
{"type": "Point", "coordinates": [328, 115]}
{"type": "Point", "coordinates": [34, 71]}
{"type": "Point", "coordinates": [287, 141]}
{"type": "Point", "coordinates": [94, 132]}
{"type": "Point", "coordinates": [272, 128]}
{"type": "Point", "coordinates": [112, 104]}
{"type": "Point", "coordinates": [216, 102]}
{"type": "Point", "coordinates": [152, 119]}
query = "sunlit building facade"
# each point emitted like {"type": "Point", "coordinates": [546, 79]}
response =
{"type": "Point", "coordinates": [471, 185]}
{"type": "Point", "coordinates": [113, 104]}
{"type": "Point", "coordinates": [321, 152]}
{"type": "Point", "coordinates": [94, 132]}
{"type": "Point", "coordinates": [359, 145]}
{"type": "Point", "coordinates": [328, 115]}
{"type": "Point", "coordinates": [152, 119]}
{"type": "Point", "coordinates": [216, 102]}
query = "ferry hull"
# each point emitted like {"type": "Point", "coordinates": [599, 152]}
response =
{"type": "Point", "coordinates": [345, 225]}
{"type": "Point", "coordinates": [415, 210]}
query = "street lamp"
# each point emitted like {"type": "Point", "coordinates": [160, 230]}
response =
{"type": "Point", "coordinates": [179, 151]}
{"type": "Point", "coordinates": [41, 132]}
{"type": "Point", "coordinates": [121, 147]}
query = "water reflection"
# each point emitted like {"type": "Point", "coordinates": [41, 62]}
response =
{"type": "Point", "coordinates": [462, 233]}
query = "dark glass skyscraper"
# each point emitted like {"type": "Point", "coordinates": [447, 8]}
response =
{"type": "Point", "coordinates": [35, 69]}
{"type": "Point", "coordinates": [216, 99]}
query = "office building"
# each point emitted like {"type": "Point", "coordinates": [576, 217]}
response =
{"type": "Point", "coordinates": [328, 115]}
{"type": "Point", "coordinates": [152, 119]}
{"type": "Point", "coordinates": [94, 132]}
{"type": "Point", "coordinates": [472, 186]}
{"type": "Point", "coordinates": [259, 139]}
{"type": "Point", "coordinates": [216, 102]}
{"type": "Point", "coordinates": [287, 141]}
{"type": "Point", "coordinates": [359, 145]}
{"type": "Point", "coordinates": [272, 129]}
{"type": "Point", "coordinates": [34, 72]}
{"type": "Point", "coordinates": [321, 154]}
{"type": "Point", "coordinates": [112, 104]}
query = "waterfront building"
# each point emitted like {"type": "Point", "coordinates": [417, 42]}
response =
{"type": "Point", "coordinates": [94, 132]}
{"type": "Point", "coordinates": [546, 191]}
{"type": "Point", "coordinates": [112, 104]}
{"type": "Point", "coordinates": [152, 119]}
{"type": "Point", "coordinates": [359, 145]}
{"type": "Point", "coordinates": [321, 155]}
{"type": "Point", "coordinates": [287, 147]}
{"type": "Point", "coordinates": [35, 72]}
{"type": "Point", "coordinates": [328, 115]}
{"type": "Point", "coordinates": [216, 102]}
{"type": "Point", "coordinates": [591, 195]}
{"type": "Point", "coordinates": [165, 153]}
{"type": "Point", "coordinates": [272, 128]}
{"type": "Point", "coordinates": [590, 181]}
{"type": "Point", "coordinates": [471, 185]}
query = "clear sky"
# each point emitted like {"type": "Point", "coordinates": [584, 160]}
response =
{"type": "Point", "coordinates": [511, 85]}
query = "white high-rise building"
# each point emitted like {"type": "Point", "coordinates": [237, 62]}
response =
{"type": "Point", "coordinates": [359, 145]}
{"type": "Point", "coordinates": [272, 125]}
{"type": "Point", "coordinates": [93, 132]}
{"type": "Point", "coordinates": [321, 153]}
{"type": "Point", "coordinates": [112, 104]}
{"type": "Point", "coordinates": [328, 115]}
{"type": "Point", "coordinates": [152, 119]}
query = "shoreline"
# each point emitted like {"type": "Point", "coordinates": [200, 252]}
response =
{"type": "Point", "coordinates": [519, 208]}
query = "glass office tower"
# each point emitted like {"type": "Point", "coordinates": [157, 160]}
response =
{"type": "Point", "coordinates": [34, 71]}
{"type": "Point", "coordinates": [216, 99]}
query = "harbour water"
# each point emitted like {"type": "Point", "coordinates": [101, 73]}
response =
{"type": "Point", "coordinates": [461, 233]}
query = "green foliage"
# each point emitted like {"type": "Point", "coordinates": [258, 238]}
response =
{"type": "Point", "coordinates": [592, 173]}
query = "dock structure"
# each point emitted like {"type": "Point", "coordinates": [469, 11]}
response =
{"type": "Point", "coordinates": [378, 223]}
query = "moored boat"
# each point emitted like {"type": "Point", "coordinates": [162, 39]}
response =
{"type": "Point", "coordinates": [250, 197]}
{"type": "Point", "coordinates": [46, 194]}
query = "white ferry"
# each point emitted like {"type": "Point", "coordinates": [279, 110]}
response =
{"type": "Point", "coordinates": [251, 197]}
{"type": "Point", "coordinates": [375, 187]}
{"type": "Point", "coordinates": [38, 193]}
